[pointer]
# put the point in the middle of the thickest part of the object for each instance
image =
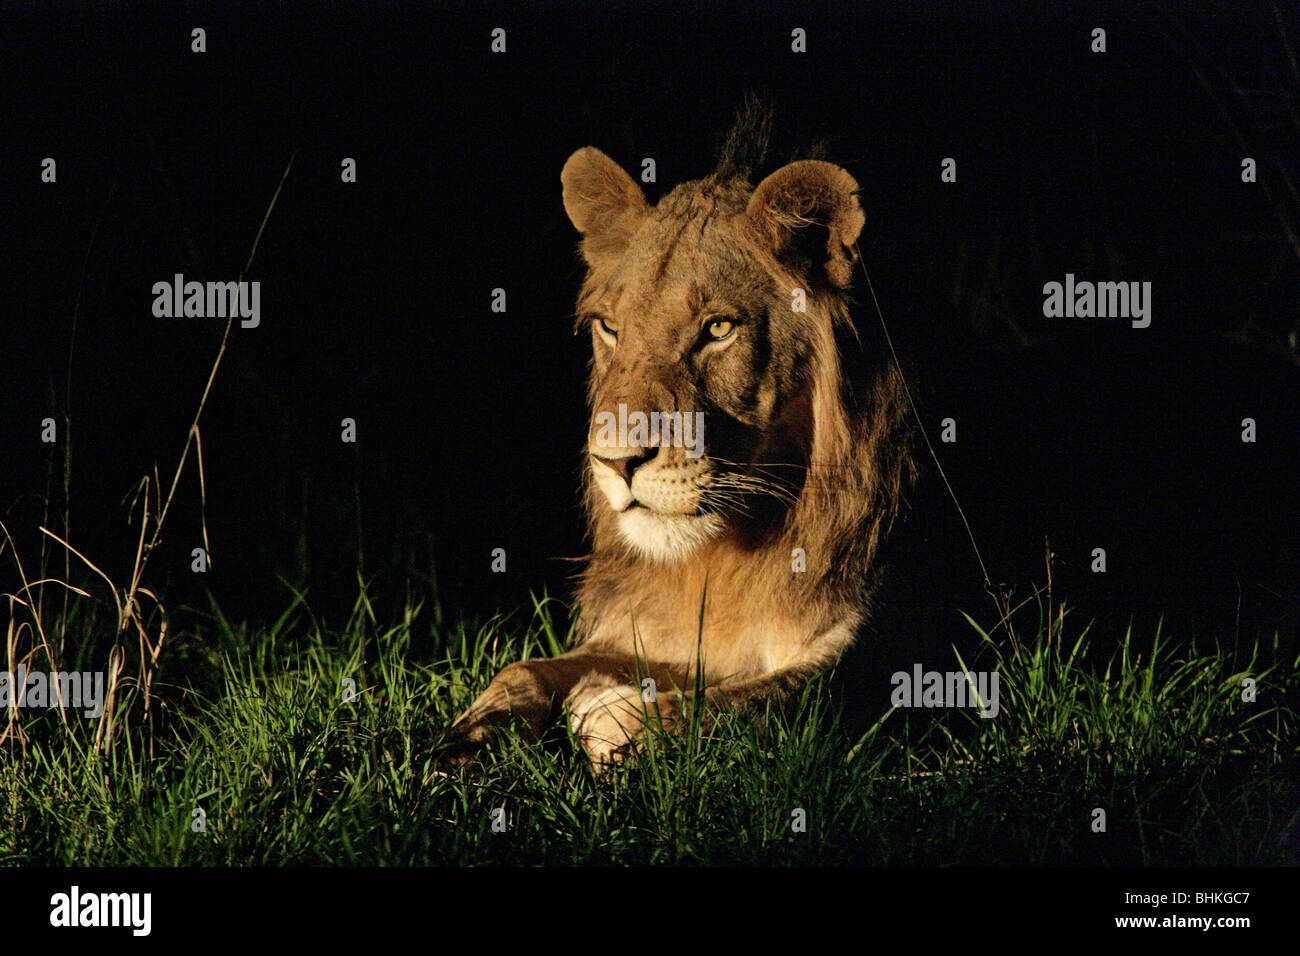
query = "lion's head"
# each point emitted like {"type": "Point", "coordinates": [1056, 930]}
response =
{"type": "Point", "coordinates": [715, 373]}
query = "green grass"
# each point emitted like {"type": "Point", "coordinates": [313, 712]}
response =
{"type": "Point", "coordinates": [252, 728]}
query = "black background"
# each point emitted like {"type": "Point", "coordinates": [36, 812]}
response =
{"type": "Point", "coordinates": [376, 295]}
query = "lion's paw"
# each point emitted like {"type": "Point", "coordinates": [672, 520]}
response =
{"type": "Point", "coordinates": [606, 721]}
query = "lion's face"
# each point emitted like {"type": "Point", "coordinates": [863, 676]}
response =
{"type": "Point", "coordinates": [701, 394]}
{"type": "Point", "coordinates": [690, 324]}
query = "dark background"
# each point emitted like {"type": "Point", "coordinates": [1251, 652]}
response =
{"type": "Point", "coordinates": [376, 295]}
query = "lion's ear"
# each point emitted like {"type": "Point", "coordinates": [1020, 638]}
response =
{"type": "Point", "coordinates": [808, 214]}
{"type": "Point", "coordinates": [603, 202]}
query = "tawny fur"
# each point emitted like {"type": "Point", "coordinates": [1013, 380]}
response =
{"type": "Point", "coordinates": [762, 586]}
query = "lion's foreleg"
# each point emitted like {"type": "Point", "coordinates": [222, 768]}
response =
{"type": "Point", "coordinates": [525, 693]}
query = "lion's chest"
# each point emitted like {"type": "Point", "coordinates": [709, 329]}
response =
{"type": "Point", "coordinates": [731, 635]}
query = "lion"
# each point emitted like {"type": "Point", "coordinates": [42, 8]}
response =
{"type": "Point", "coordinates": [742, 563]}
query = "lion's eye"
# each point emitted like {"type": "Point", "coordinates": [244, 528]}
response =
{"type": "Point", "coordinates": [719, 329]}
{"type": "Point", "coordinates": [606, 329]}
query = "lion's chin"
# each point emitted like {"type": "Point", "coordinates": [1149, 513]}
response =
{"type": "Point", "coordinates": [667, 538]}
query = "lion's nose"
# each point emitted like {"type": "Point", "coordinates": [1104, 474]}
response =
{"type": "Point", "coordinates": [625, 466]}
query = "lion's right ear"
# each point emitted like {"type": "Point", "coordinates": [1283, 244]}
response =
{"type": "Point", "coordinates": [603, 203]}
